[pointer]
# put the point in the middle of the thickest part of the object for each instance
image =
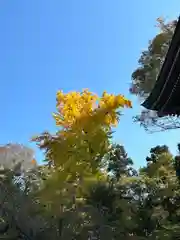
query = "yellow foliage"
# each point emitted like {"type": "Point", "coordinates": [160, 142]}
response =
{"type": "Point", "coordinates": [85, 121]}
{"type": "Point", "coordinates": [73, 106]}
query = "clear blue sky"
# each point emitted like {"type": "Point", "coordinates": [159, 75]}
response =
{"type": "Point", "coordinates": [70, 45]}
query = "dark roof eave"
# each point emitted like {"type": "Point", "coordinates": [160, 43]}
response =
{"type": "Point", "coordinates": [148, 103]}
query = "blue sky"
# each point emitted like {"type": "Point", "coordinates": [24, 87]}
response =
{"type": "Point", "coordinates": [70, 45]}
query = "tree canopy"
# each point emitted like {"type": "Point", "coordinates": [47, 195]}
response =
{"type": "Point", "coordinates": [87, 187]}
{"type": "Point", "coordinates": [145, 76]}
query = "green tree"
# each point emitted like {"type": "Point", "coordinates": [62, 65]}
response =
{"type": "Point", "coordinates": [119, 164]}
{"type": "Point", "coordinates": [151, 60]}
{"type": "Point", "coordinates": [158, 213]}
{"type": "Point", "coordinates": [20, 213]}
{"type": "Point", "coordinates": [145, 75]}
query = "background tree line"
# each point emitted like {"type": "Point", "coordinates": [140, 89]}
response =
{"type": "Point", "coordinates": [121, 203]}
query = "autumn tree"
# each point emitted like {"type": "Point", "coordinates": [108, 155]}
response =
{"type": "Point", "coordinates": [85, 122]}
{"type": "Point", "coordinates": [74, 153]}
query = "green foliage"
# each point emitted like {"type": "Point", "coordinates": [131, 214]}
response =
{"type": "Point", "coordinates": [119, 164]}
{"type": "Point", "coordinates": [151, 60]}
{"type": "Point", "coordinates": [119, 203]}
